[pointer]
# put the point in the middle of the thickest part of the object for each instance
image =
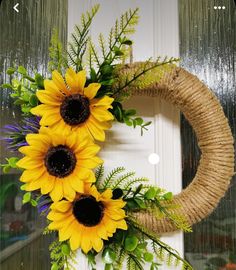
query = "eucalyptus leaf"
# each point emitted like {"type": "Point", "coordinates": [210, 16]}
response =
{"type": "Point", "coordinates": [26, 197]}
{"type": "Point", "coordinates": [108, 256]}
{"type": "Point", "coordinates": [131, 243]}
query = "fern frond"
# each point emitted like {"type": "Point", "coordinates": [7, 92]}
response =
{"type": "Point", "coordinates": [133, 263]}
{"type": "Point", "coordinates": [56, 53]}
{"type": "Point", "coordinates": [122, 179]}
{"type": "Point", "coordinates": [79, 39]}
{"type": "Point", "coordinates": [94, 54]}
{"type": "Point", "coordinates": [141, 76]}
{"type": "Point", "coordinates": [111, 176]}
{"type": "Point", "coordinates": [102, 45]}
{"type": "Point", "coordinates": [99, 173]}
{"type": "Point", "coordinates": [164, 252]}
{"type": "Point", "coordinates": [135, 181]}
{"type": "Point", "coordinates": [124, 27]}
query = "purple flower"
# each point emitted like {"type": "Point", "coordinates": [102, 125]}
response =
{"type": "Point", "coordinates": [15, 134]}
{"type": "Point", "coordinates": [44, 204]}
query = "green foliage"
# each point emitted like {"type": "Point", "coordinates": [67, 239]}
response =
{"type": "Point", "coordinates": [31, 198]}
{"type": "Point", "coordinates": [79, 40]}
{"type": "Point", "coordinates": [128, 116]}
{"type": "Point", "coordinates": [61, 255]}
{"type": "Point", "coordinates": [140, 76]}
{"type": "Point", "coordinates": [24, 88]}
{"type": "Point", "coordinates": [116, 49]}
{"type": "Point", "coordinates": [8, 188]}
{"type": "Point", "coordinates": [56, 54]}
{"type": "Point", "coordinates": [162, 251]}
{"type": "Point", "coordinates": [11, 164]}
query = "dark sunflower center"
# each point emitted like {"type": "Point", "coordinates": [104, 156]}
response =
{"type": "Point", "coordinates": [75, 109]}
{"type": "Point", "coordinates": [88, 211]}
{"type": "Point", "coordinates": [60, 161]}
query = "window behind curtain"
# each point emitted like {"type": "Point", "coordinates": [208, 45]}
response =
{"type": "Point", "coordinates": [25, 38]}
{"type": "Point", "coordinates": [207, 49]}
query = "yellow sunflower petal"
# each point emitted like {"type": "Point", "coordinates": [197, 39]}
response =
{"type": "Point", "coordinates": [107, 194]}
{"type": "Point", "coordinates": [43, 108]}
{"type": "Point", "coordinates": [95, 132]}
{"type": "Point", "coordinates": [92, 89]}
{"type": "Point", "coordinates": [75, 240]}
{"type": "Point", "coordinates": [40, 141]}
{"type": "Point", "coordinates": [49, 119]}
{"type": "Point", "coordinates": [66, 232]}
{"type": "Point", "coordinates": [68, 190]}
{"type": "Point", "coordinates": [76, 81]}
{"type": "Point", "coordinates": [53, 89]}
{"type": "Point", "coordinates": [115, 215]}
{"type": "Point", "coordinates": [77, 185]}
{"type": "Point", "coordinates": [31, 151]}
{"type": "Point", "coordinates": [81, 173]}
{"type": "Point", "coordinates": [121, 224]}
{"type": "Point", "coordinates": [89, 151]}
{"type": "Point", "coordinates": [30, 175]}
{"type": "Point", "coordinates": [47, 185]}
{"type": "Point", "coordinates": [59, 81]}
{"type": "Point", "coordinates": [104, 101]}
{"type": "Point", "coordinates": [56, 216]}
{"type": "Point", "coordinates": [47, 98]}
{"type": "Point", "coordinates": [101, 114]}
{"type": "Point", "coordinates": [29, 163]}
{"type": "Point", "coordinates": [62, 206]}
{"type": "Point", "coordinates": [57, 192]}
{"type": "Point", "coordinates": [86, 244]}
{"type": "Point", "coordinates": [90, 163]}
{"type": "Point", "coordinates": [33, 185]}
{"type": "Point", "coordinates": [63, 223]}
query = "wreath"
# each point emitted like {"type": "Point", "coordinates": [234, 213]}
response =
{"type": "Point", "coordinates": [65, 115]}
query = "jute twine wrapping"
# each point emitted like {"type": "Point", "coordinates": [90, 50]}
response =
{"type": "Point", "coordinates": [216, 168]}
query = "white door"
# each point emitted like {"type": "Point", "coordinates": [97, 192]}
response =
{"type": "Point", "coordinates": [156, 35]}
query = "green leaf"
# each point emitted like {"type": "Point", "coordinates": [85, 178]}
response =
{"type": "Point", "coordinates": [117, 51]}
{"type": "Point", "coordinates": [150, 194]}
{"type": "Point", "coordinates": [33, 100]}
{"type": "Point", "coordinates": [22, 70]}
{"type": "Point", "coordinates": [127, 42]}
{"type": "Point", "coordinates": [108, 267]}
{"type": "Point", "coordinates": [65, 249]}
{"type": "Point", "coordinates": [39, 80]}
{"type": "Point", "coordinates": [54, 267]}
{"type": "Point", "coordinates": [138, 189]}
{"type": "Point", "coordinates": [7, 85]}
{"type": "Point", "coordinates": [33, 203]}
{"type": "Point", "coordinates": [148, 257]}
{"type": "Point", "coordinates": [12, 161]}
{"type": "Point", "coordinates": [117, 111]}
{"type": "Point", "coordinates": [139, 121]}
{"type": "Point", "coordinates": [19, 102]}
{"type": "Point", "coordinates": [93, 75]}
{"type": "Point", "coordinates": [131, 243]}
{"type": "Point", "coordinates": [168, 196]}
{"type": "Point", "coordinates": [128, 122]}
{"type": "Point", "coordinates": [131, 204]}
{"type": "Point", "coordinates": [6, 169]}
{"type": "Point", "coordinates": [26, 197]}
{"type": "Point", "coordinates": [147, 124]}
{"type": "Point", "coordinates": [11, 70]}
{"type": "Point", "coordinates": [130, 112]}
{"type": "Point", "coordinates": [140, 203]}
{"type": "Point", "coordinates": [108, 256]}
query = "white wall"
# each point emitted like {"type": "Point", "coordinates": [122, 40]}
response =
{"type": "Point", "coordinates": [157, 34]}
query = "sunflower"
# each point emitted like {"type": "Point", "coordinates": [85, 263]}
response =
{"type": "Point", "coordinates": [58, 165]}
{"type": "Point", "coordinates": [91, 218]}
{"type": "Point", "coordinates": [72, 106]}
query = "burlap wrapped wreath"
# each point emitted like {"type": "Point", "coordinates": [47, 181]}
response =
{"type": "Point", "coordinates": [216, 167]}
